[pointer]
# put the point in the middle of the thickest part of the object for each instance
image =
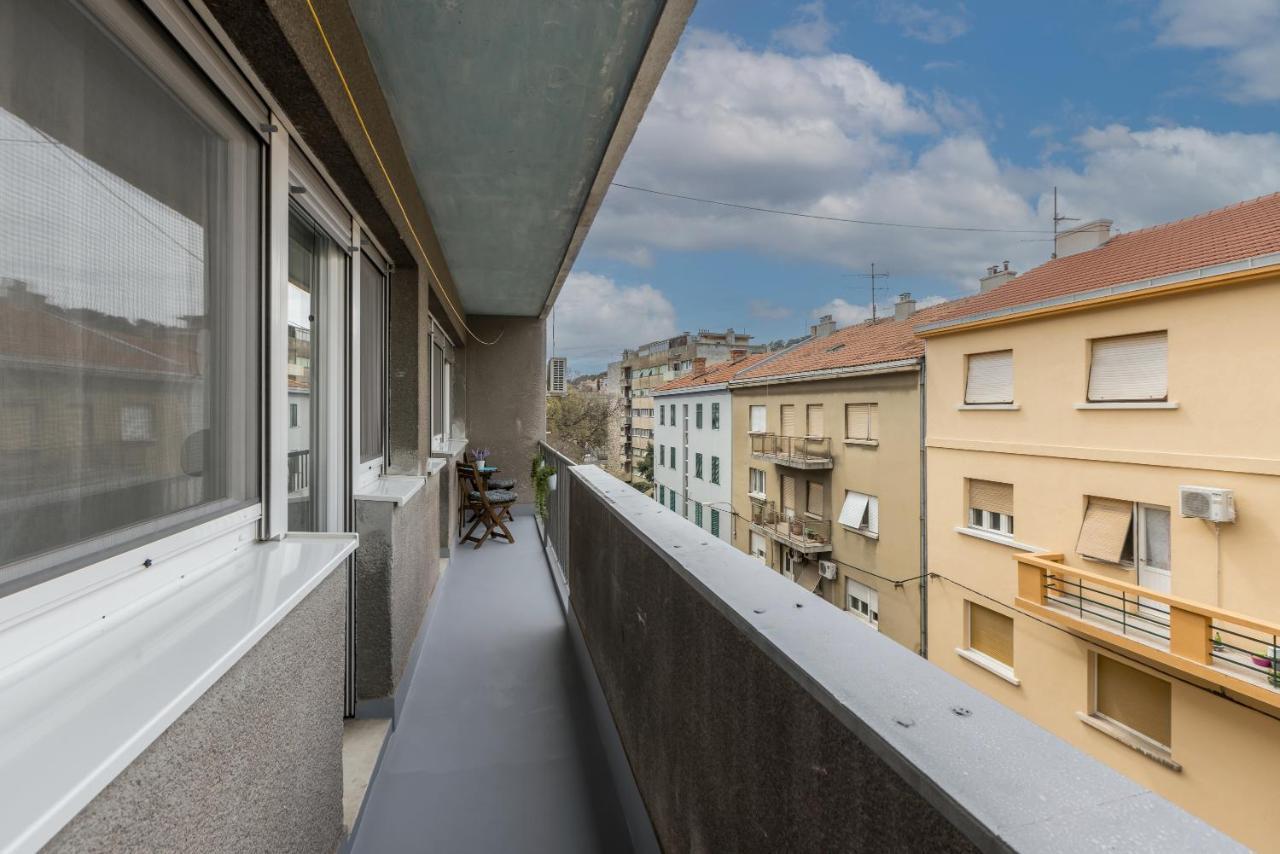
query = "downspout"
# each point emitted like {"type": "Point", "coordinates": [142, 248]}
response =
{"type": "Point", "coordinates": [924, 517]}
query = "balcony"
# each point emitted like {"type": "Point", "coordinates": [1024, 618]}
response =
{"type": "Point", "coordinates": [797, 452]}
{"type": "Point", "coordinates": [1231, 651]}
{"type": "Point", "coordinates": [803, 533]}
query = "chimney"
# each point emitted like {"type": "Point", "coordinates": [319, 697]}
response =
{"type": "Point", "coordinates": [904, 307]}
{"type": "Point", "coordinates": [824, 327]}
{"type": "Point", "coordinates": [737, 353]}
{"type": "Point", "coordinates": [699, 364]}
{"type": "Point", "coordinates": [995, 277]}
{"type": "Point", "coordinates": [1082, 238]}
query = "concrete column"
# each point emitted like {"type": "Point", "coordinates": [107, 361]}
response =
{"type": "Point", "coordinates": [408, 385]}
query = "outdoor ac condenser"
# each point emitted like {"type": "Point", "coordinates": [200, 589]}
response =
{"type": "Point", "coordinates": [827, 569]}
{"type": "Point", "coordinates": [1208, 503]}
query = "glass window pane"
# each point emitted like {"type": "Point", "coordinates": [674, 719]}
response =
{"type": "Point", "coordinates": [373, 347]}
{"type": "Point", "coordinates": [129, 293]}
{"type": "Point", "coordinates": [438, 428]}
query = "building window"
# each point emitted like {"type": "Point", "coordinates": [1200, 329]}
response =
{"type": "Point", "coordinates": [861, 513]}
{"type": "Point", "coordinates": [757, 419]}
{"type": "Point", "coordinates": [1129, 368]}
{"type": "Point", "coordinates": [130, 259]}
{"type": "Point", "coordinates": [862, 602]}
{"type": "Point", "coordinates": [758, 546]}
{"type": "Point", "coordinates": [991, 507]}
{"type": "Point", "coordinates": [814, 495]}
{"type": "Point", "coordinates": [861, 422]}
{"type": "Point", "coordinates": [755, 481]}
{"type": "Point", "coordinates": [787, 419]}
{"type": "Point", "coordinates": [662, 455]}
{"type": "Point", "coordinates": [715, 416]}
{"type": "Point", "coordinates": [373, 359]}
{"type": "Point", "coordinates": [989, 378]}
{"type": "Point", "coordinates": [662, 494]}
{"type": "Point", "coordinates": [671, 499]}
{"type": "Point", "coordinates": [1106, 533]}
{"type": "Point", "coordinates": [989, 634]}
{"type": "Point", "coordinates": [662, 416]}
{"type": "Point", "coordinates": [697, 513]}
{"type": "Point", "coordinates": [293, 415]}
{"type": "Point", "coordinates": [815, 422]}
{"type": "Point", "coordinates": [697, 466]}
{"type": "Point", "coordinates": [673, 415]}
{"type": "Point", "coordinates": [715, 522]}
{"type": "Point", "coordinates": [697, 416]}
{"type": "Point", "coordinates": [715, 470]}
{"type": "Point", "coordinates": [672, 457]}
{"type": "Point", "coordinates": [1132, 699]}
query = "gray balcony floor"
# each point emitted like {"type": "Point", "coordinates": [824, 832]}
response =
{"type": "Point", "coordinates": [495, 748]}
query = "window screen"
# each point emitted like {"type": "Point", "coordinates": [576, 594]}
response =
{"type": "Point", "coordinates": [129, 293]}
{"type": "Point", "coordinates": [373, 359]}
{"type": "Point", "coordinates": [990, 378]}
{"type": "Point", "coordinates": [1130, 368]}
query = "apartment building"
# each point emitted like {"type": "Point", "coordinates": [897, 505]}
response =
{"type": "Point", "coordinates": [1103, 484]}
{"type": "Point", "coordinates": [827, 463]}
{"type": "Point", "coordinates": [693, 456]}
{"type": "Point", "coordinates": [654, 364]}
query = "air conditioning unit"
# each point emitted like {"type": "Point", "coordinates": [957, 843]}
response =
{"type": "Point", "coordinates": [827, 569]}
{"type": "Point", "coordinates": [1208, 503]}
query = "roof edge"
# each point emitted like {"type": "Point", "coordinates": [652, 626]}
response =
{"type": "Point", "coordinates": [886, 367]}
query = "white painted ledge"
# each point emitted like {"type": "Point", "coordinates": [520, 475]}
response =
{"type": "Point", "coordinates": [996, 538]}
{"type": "Point", "coordinates": [866, 443]}
{"type": "Point", "coordinates": [434, 465]}
{"type": "Point", "coordinates": [1143, 745]}
{"type": "Point", "coordinates": [990, 407]}
{"type": "Point", "coordinates": [998, 668]}
{"type": "Point", "coordinates": [396, 489]}
{"type": "Point", "coordinates": [1155, 404]}
{"type": "Point", "coordinates": [85, 704]}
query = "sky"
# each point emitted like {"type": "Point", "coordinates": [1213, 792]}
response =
{"type": "Point", "coordinates": [964, 115]}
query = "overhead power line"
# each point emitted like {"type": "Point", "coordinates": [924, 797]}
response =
{"type": "Point", "coordinates": [881, 223]}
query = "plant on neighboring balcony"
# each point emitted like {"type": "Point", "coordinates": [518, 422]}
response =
{"type": "Point", "coordinates": [541, 473]}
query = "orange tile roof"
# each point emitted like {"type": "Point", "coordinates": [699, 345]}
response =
{"type": "Point", "coordinates": [718, 373]}
{"type": "Point", "coordinates": [1243, 230]}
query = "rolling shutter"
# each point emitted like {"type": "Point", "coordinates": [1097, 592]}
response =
{"type": "Point", "coordinates": [991, 633]}
{"type": "Point", "coordinates": [990, 378]}
{"type": "Point", "coordinates": [817, 421]}
{"type": "Point", "coordinates": [1130, 368]}
{"type": "Point", "coordinates": [788, 494]}
{"type": "Point", "coordinates": [814, 498]}
{"type": "Point", "coordinates": [854, 509]}
{"type": "Point", "coordinates": [1134, 698]}
{"type": "Point", "coordinates": [992, 496]}
{"type": "Point", "coordinates": [1106, 526]}
{"type": "Point", "coordinates": [788, 419]}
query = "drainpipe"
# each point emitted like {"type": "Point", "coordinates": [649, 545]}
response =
{"type": "Point", "coordinates": [924, 517]}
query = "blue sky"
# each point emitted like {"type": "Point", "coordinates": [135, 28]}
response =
{"type": "Point", "coordinates": [925, 112]}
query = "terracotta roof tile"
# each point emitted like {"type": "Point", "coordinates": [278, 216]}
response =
{"type": "Point", "coordinates": [720, 372]}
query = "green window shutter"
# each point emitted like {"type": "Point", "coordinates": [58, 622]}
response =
{"type": "Point", "coordinates": [715, 469]}
{"type": "Point", "coordinates": [698, 416]}
{"type": "Point", "coordinates": [715, 416]}
{"type": "Point", "coordinates": [697, 466]}
{"type": "Point", "coordinates": [715, 522]}
{"type": "Point", "coordinates": [697, 514]}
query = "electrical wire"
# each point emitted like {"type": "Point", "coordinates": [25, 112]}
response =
{"type": "Point", "coordinates": [880, 223]}
{"type": "Point", "coordinates": [351, 98]}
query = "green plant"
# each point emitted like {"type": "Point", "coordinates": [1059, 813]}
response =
{"type": "Point", "coordinates": [541, 474]}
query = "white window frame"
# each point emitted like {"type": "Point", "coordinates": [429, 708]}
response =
{"type": "Point", "coordinates": [867, 596]}
{"type": "Point", "coordinates": [869, 519]}
{"type": "Point", "coordinates": [754, 474]}
{"type": "Point", "coordinates": [365, 474]}
{"type": "Point", "coordinates": [760, 425]}
{"type": "Point", "coordinates": [1000, 524]}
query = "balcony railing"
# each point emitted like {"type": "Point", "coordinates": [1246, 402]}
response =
{"type": "Point", "coordinates": [1231, 650]}
{"type": "Point", "coordinates": [802, 533]}
{"type": "Point", "coordinates": [801, 452]}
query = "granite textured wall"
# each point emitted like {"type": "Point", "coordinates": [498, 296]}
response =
{"type": "Point", "coordinates": [254, 765]}
{"type": "Point", "coordinates": [397, 567]}
{"type": "Point", "coordinates": [507, 393]}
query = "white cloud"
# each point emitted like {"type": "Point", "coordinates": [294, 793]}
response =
{"type": "Point", "coordinates": [596, 318]}
{"type": "Point", "coordinates": [809, 30]}
{"type": "Point", "coordinates": [1246, 33]}
{"type": "Point", "coordinates": [765, 310]}
{"type": "Point", "coordinates": [923, 22]}
{"type": "Point", "coordinates": [846, 313]}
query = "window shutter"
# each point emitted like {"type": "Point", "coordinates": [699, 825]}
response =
{"type": "Point", "coordinates": [757, 419]}
{"type": "Point", "coordinates": [813, 500]}
{"type": "Point", "coordinates": [1106, 526]}
{"type": "Point", "coordinates": [854, 510]}
{"type": "Point", "coordinates": [1134, 698]}
{"type": "Point", "coordinates": [788, 493]}
{"type": "Point", "coordinates": [788, 419]}
{"type": "Point", "coordinates": [873, 421]}
{"type": "Point", "coordinates": [990, 378]}
{"type": "Point", "coordinates": [817, 421]}
{"type": "Point", "coordinates": [873, 514]}
{"type": "Point", "coordinates": [991, 633]}
{"type": "Point", "coordinates": [1131, 367]}
{"type": "Point", "coordinates": [992, 496]}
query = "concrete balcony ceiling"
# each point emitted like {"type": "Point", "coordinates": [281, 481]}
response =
{"type": "Point", "coordinates": [508, 112]}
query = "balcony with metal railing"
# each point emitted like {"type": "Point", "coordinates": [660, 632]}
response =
{"type": "Point", "coordinates": [797, 452]}
{"type": "Point", "coordinates": [802, 532]}
{"type": "Point", "coordinates": [1233, 651]}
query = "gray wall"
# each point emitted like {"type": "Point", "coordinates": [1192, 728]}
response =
{"type": "Point", "coordinates": [397, 567]}
{"type": "Point", "coordinates": [254, 765]}
{"type": "Point", "coordinates": [507, 393]}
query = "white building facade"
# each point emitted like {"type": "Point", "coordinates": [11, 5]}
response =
{"type": "Point", "coordinates": [692, 457]}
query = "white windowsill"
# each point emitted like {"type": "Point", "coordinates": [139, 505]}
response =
{"type": "Point", "coordinates": [137, 664]}
{"type": "Point", "coordinates": [393, 488]}
{"type": "Point", "coordinates": [434, 465]}
{"type": "Point", "coordinates": [993, 407]}
{"type": "Point", "coordinates": [1145, 746]}
{"type": "Point", "coordinates": [866, 443]}
{"type": "Point", "coordinates": [999, 668]}
{"type": "Point", "coordinates": [996, 538]}
{"type": "Point", "coordinates": [448, 447]}
{"type": "Point", "coordinates": [861, 533]}
{"type": "Point", "coordinates": [1155, 404]}
{"type": "Point", "coordinates": [759, 495]}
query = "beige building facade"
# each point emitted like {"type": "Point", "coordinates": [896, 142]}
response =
{"type": "Point", "coordinates": [1104, 434]}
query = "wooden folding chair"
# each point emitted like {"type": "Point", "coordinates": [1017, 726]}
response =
{"type": "Point", "coordinates": [491, 508]}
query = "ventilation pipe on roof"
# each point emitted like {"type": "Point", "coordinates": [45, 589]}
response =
{"type": "Point", "coordinates": [904, 307]}
{"type": "Point", "coordinates": [824, 327]}
{"type": "Point", "coordinates": [737, 353]}
{"type": "Point", "coordinates": [1082, 238]}
{"type": "Point", "coordinates": [995, 277]}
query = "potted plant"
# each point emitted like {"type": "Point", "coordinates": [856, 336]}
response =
{"type": "Point", "coordinates": [1217, 642]}
{"type": "Point", "coordinates": [481, 456]}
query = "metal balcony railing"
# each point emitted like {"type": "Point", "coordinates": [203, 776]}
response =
{"type": "Point", "coordinates": [811, 452]}
{"type": "Point", "coordinates": [1228, 649]}
{"type": "Point", "coordinates": [802, 532]}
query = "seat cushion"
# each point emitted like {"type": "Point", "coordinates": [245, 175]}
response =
{"type": "Point", "coordinates": [495, 496]}
{"type": "Point", "coordinates": [502, 483]}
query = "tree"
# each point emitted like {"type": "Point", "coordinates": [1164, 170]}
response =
{"type": "Point", "coordinates": [578, 423]}
{"type": "Point", "coordinates": [644, 469]}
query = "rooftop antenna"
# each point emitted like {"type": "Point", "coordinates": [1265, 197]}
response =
{"type": "Point", "coordinates": [1057, 218]}
{"type": "Point", "coordinates": [873, 275]}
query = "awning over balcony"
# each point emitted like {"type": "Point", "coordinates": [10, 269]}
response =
{"type": "Point", "coordinates": [514, 117]}
{"type": "Point", "coordinates": [807, 576]}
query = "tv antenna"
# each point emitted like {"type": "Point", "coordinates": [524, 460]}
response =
{"type": "Point", "coordinates": [1057, 218]}
{"type": "Point", "coordinates": [872, 276]}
